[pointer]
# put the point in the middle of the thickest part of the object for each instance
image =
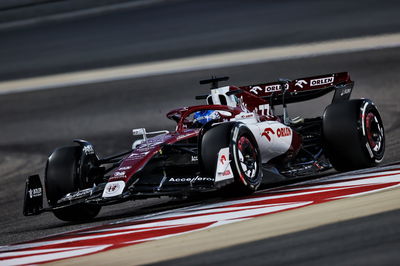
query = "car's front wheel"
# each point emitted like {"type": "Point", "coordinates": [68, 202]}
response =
{"type": "Point", "coordinates": [244, 155]}
{"type": "Point", "coordinates": [62, 177]}
{"type": "Point", "coordinates": [246, 160]}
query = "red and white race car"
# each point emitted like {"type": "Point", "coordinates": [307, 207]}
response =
{"type": "Point", "coordinates": [235, 141]}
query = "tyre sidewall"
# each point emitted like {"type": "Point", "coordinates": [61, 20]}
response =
{"type": "Point", "coordinates": [79, 212]}
{"type": "Point", "coordinates": [62, 177]}
{"type": "Point", "coordinates": [345, 141]}
{"type": "Point", "coordinates": [61, 174]}
{"type": "Point", "coordinates": [222, 136]}
{"type": "Point", "coordinates": [377, 155]}
{"type": "Point", "coordinates": [241, 179]}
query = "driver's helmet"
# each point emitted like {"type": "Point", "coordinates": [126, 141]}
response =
{"type": "Point", "coordinates": [204, 116]}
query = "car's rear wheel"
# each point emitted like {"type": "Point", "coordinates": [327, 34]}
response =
{"type": "Point", "coordinates": [353, 135]}
{"type": "Point", "coordinates": [62, 177]}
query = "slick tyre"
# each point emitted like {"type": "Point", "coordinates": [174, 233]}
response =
{"type": "Point", "coordinates": [353, 135]}
{"type": "Point", "coordinates": [76, 213]}
{"type": "Point", "coordinates": [62, 177]}
{"type": "Point", "coordinates": [244, 155]}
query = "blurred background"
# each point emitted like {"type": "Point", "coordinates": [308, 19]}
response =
{"type": "Point", "coordinates": [41, 38]}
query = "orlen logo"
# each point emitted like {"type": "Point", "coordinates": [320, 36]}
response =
{"type": "Point", "coordinates": [270, 88]}
{"type": "Point", "coordinates": [283, 132]}
{"type": "Point", "coordinates": [280, 132]}
{"type": "Point", "coordinates": [273, 88]}
{"type": "Point", "coordinates": [266, 133]}
{"type": "Point", "coordinates": [322, 81]}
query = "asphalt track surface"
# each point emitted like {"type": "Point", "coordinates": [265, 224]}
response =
{"type": "Point", "coordinates": [177, 28]}
{"type": "Point", "coordinates": [333, 244]}
{"type": "Point", "coordinates": [33, 123]}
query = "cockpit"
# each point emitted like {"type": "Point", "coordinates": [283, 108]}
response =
{"type": "Point", "coordinates": [198, 116]}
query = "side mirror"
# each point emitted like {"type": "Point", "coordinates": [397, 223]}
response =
{"type": "Point", "coordinates": [142, 131]}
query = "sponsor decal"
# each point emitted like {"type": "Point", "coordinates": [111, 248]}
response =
{"type": "Point", "coordinates": [345, 91]}
{"type": "Point", "coordinates": [78, 194]}
{"type": "Point", "coordinates": [124, 168]}
{"type": "Point", "coordinates": [247, 115]}
{"type": "Point", "coordinates": [138, 155]}
{"type": "Point", "coordinates": [272, 88]}
{"type": "Point", "coordinates": [135, 156]}
{"type": "Point", "coordinates": [300, 83]}
{"type": "Point", "coordinates": [321, 81]}
{"type": "Point", "coordinates": [224, 170]}
{"type": "Point", "coordinates": [189, 179]}
{"type": "Point", "coordinates": [280, 132]}
{"type": "Point", "coordinates": [267, 89]}
{"type": "Point", "coordinates": [119, 174]}
{"type": "Point", "coordinates": [36, 192]}
{"type": "Point", "coordinates": [222, 159]}
{"type": "Point", "coordinates": [255, 90]}
{"type": "Point", "coordinates": [283, 132]}
{"type": "Point", "coordinates": [142, 145]}
{"type": "Point", "coordinates": [227, 173]}
{"type": "Point", "coordinates": [266, 133]}
{"type": "Point", "coordinates": [113, 189]}
{"type": "Point", "coordinates": [88, 149]}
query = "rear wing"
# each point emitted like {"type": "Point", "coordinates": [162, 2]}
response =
{"type": "Point", "coordinates": [303, 89]}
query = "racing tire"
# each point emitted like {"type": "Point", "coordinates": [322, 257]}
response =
{"type": "Point", "coordinates": [78, 212]}
{"type": "Point", "coordinates": [244, 155]}
{"type": "Point", "coordinates": [62, 177]}
{"type": "Point", "coordinates": [353, 135]}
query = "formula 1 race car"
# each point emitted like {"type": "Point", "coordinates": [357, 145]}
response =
{"type": "Point", "coordinates": [236, 142]}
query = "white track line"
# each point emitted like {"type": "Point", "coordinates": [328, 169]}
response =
{"type": "Point", "coordinates": [202, 62]}
{"type": "Point", "coordinates": [77, 13]}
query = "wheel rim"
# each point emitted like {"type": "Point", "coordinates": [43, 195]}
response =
{"type": "Point", "coordinates": [374, 132]}
{"type": "Point", "coordinates": [247, 157]}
